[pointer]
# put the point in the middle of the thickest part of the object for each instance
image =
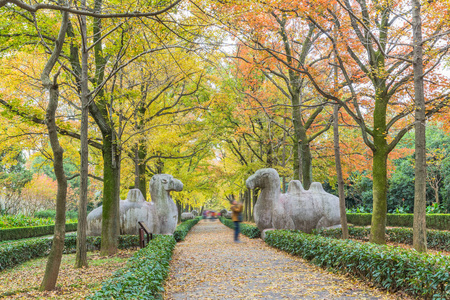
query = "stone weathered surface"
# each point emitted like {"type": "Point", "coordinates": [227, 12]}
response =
{"type": "Point", "coordinates": [297, 209]}
{"type": "Point", "coordinates": [160, 187]}
{"type": "Point", "coordinates": [194, 212]}
{"type": "Point", "coordinates": [225, 213]}
{"type": "Point", "coordinates": [186, 216]}
{"type": "Point", "coordinates": [160, 215]}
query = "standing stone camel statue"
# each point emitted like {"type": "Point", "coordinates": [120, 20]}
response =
{"type": "Point", "coordinates": [160, 215]}
{"type": "Point", "coordinates": [299, 209]}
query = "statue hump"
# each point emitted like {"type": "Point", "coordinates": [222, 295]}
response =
{"type": "Point", "coordinates": [135, 195]}
{"type": "Point", "coordinates": [316, 187]}
{"type": "Point", "coordinates": [295, 187]}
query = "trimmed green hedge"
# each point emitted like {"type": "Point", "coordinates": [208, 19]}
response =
{"type": "Point", "coordinates": [144, 274]}
{"type": "Point", "coordinates": [437, 240]}
{"type": "Point", "coordinates": [18, 233]}
{"type": "Point", "coordinates": [434, 221]}
{"type": "Point", "coordinates": [246, 229]}
{"type": "Point", "coordinates": [182, 230]}
{"type": "Point", "coordinates": [19, 252]}
{"type": "Point", "coordinates": [392, 268]}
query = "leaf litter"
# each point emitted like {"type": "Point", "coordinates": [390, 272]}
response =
{"type": "Point", "coordinates": [23, 281]}
{"type": "Point", "coordinates": [209, 265]}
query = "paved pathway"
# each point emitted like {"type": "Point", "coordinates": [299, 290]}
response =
{"type": "Point", "coordinates": [209, 265]}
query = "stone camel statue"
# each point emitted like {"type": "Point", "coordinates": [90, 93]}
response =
{"type": "Point", "coordinates": [298, 209]}
{"type": "Point", "coordinates": [160, 215]}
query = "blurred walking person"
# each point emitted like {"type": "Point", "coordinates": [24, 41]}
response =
{"type": "Point", "coordinates": [236, 217]}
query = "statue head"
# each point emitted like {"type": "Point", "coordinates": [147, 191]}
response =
{"type": "Point", "coordinates": [164, 183]}
{"type": "Point", "coordinates": [263, 178]}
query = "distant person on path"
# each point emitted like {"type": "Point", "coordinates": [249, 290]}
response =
{"type": "Point", "coordinates": [236, 217]}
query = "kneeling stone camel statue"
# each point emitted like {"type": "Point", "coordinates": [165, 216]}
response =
{"type": "Point", "coordinates": [160, 215]}
{"type": "Point", "coordinates": [298, 209]}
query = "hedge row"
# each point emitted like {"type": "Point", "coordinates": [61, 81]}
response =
{"type": "Point", "coordinates": [19, 252]}
{"type": "Point", "coordinates": [434, 221]}
{"type": "Point", "coordinates": [18, 233]}
{"type": "Point", "coordinates": [146, 271]}
{"type": "Point", "coordinates": [246, 229]}
{"type": "Point", "coordinates": [437, 240]}
{"type": "Point", "coordinates": [182, 230]}
{"type": "Point", "coordinates": [12, 254]}
{"type": "Point", "coordinates": [392, 268]}
{"type": "Point", "coordinates": [144, 274]}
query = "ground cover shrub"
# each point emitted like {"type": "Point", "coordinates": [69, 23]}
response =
{"type": "Point", "coordinates": [11, 221]}
{"type": "Point", "coordinates": [248, 230]}
{"type": "Point", "coordinates": [144, 274]}
{"type": "Point", "coordinates": [94, 242]}
{"type": "Point", "coordinates": [51, 213]}
{"type": "Point", "coordinates": [17, 252]}
{"type": "Point", "coordinates": [182, 230]}
{"type": "Point", "coordinates": [392, 268]}
{"type": "Point", "coordinates": [18, 233]}
{"type": "Point", "coordinates": [434, 221]}
{"type": "Point", "coordinates": [437, 240]}
{"type": "Point", "coordinates": [14, 254]}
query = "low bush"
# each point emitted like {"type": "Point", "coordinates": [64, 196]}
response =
{"type": "Point", "coordinates": [437, 240]}
{"type": "Point", "coordinates": [11, 221]}
{"type": "Point", "coordinates": [392, 268]}
{"type": "Point", "coordinates": [144, 274]}
{"type": "Point", "coordinates": [51, 213]}
{"type": "Point", "coordinates": [434, 221]}
{"type": "Point", "coordinates": [18, 233]}
{"type": "Point", "coordinates": [182, 230]}
{"type": "Point", "coordinates": [16, 252]}
{"type": "Point", "coordinates": [248, 230]}
{"type": "Point", "coordinates": [12, 254]}
{"type": "Point", "coordinates": [94, 242]}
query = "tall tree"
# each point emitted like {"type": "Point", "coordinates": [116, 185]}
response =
{"type": "Point", "coordinates": [55, 256]}
{"type": "Point", "coordinates": [274, 40]}
{"type": "Point", "coordinates": [420, 190]}
{"type": "Point", "coordinates": [81, 254]}
{"type": "Point", "coordinates": [375, 74]}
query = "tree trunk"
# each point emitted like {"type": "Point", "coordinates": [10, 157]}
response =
{"type": "Point", "coordinates": [81, 255]}
{"type": "Point", "coordinates": [137, 174]}
{"type": "Point", "coordinates": [55, 256]}
{"type": "Point", "coordinates": [143, 169]}
{"type": "Point", "coordinates": [54, 259]}
{"type": "Point", "coordinates": [110, 212]}
{"type": "Point", "coordinates": [378, 228]}
{"type": "Point", "coordinates": [249, 203]}
{"type": "Point", "coordinates": [379, 169]}
{"type": "Point", "coordinates": [306, 163]}
{"type": "Point", "coordinates": [179, 209]}
{"type": "Point", "coordinates": [246, 205]}
{"type": "Point", "coordinates": [419, 226]}
{"type": "Point", "coordinates": [340, 179]}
